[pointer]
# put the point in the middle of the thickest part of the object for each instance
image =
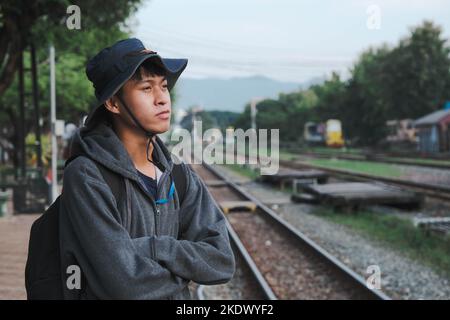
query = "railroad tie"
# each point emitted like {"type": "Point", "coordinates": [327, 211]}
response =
{"type": "Point", "coordinates": [215, 183]}
{"type": "Point", "coordinates": [228, 206]}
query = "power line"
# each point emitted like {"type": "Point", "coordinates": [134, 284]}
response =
{"type": "Point", "coordinates": [242, 62]}
{"type": "Point", "coordinates": [212, 42]}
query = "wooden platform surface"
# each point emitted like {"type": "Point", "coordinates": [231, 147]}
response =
{"type": "Point", "coordinates": [14, 236]}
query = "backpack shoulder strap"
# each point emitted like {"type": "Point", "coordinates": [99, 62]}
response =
{"type": "Point", "coordinates": [179, 177]}
{"type": "Point", "coordinates": [114, 181]}
{"type": "Point", "coordinates": [70, 159]}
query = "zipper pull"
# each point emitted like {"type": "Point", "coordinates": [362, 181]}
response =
{"type": "Point", "coordinates": [157, 209]}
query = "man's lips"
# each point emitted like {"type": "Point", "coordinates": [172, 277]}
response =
{"type": "Point", "coordinates": [163, 114]}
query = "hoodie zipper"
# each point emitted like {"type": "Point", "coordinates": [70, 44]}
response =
{"type": "Point", "coordinates": [155, 205]}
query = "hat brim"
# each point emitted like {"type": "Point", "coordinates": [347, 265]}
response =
{"type": "Point", "coordinates": [173, 68]}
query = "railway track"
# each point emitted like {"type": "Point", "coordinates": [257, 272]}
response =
{"type": "Point", "coordinates": [378, 158]}
{"type": "Point", "coordinates": [430, 190]}
{"type": "Point", "coordinates": [286, 264]}
{"type": "Point", "coordinates": [252, 285]}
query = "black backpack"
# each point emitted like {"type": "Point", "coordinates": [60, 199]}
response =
{"type": "Point", "coordinates": [43, 276]}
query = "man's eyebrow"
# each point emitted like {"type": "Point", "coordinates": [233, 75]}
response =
{"type": "Point", "coordinates": [152, 80]}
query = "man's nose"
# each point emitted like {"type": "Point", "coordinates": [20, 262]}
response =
{"type": "Point", "coordinates": [161, 97]}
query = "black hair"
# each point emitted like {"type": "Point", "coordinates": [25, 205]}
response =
{"type": "Point", "coordinates": [146, 68]}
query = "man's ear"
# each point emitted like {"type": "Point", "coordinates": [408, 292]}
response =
{"type": "Point", "coordinates": [112, 104]}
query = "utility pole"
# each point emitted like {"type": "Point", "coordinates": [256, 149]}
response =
{"type": "Point", "coordinates": [36, 107]}
{"type": "Point", "coordinates": [21, 134]}
{"type": "Point", "coordinates": [53, 124]}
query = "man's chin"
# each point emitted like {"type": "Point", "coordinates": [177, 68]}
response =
{"type": "Point", "coordinates": [160, 129]}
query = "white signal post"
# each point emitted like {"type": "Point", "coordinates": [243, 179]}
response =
{"type": "Point", "coordinates": [53, 124]}
{"type": "Point", "coordinates": [253, 110]}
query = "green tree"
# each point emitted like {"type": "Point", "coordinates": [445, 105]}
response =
{"type": "Point", "coordinates": [409, 80]}
{"type": "Point", "coordinates": [41, 23]}
{"type": "Point", "coordinates": [417, 71]}
{"type": "Point", "coordinates": [23, 22]}
{"type": "Point", "coordinates": [364, 104]}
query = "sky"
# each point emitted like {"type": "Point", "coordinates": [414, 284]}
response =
{"type": "Point", "coordinates": [287, 40]}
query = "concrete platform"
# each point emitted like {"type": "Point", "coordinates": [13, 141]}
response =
{"type": "Point", "coordinates": [295, 178]}
{"type": "Point", "coordinates": [359, 193]}
{"type": "Point", "coordinates": [435, 224]}
{"type": "Point", "coordinates": [285, 173]}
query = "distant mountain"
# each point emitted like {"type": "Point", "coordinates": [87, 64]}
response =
{"type": "Point", "coordinates": [230, 94]}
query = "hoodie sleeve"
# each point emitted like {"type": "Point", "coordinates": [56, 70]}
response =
{"type": "Point", "coordinates": [203, 252]}
{"type": "Point", "coordinates": [115, 266]}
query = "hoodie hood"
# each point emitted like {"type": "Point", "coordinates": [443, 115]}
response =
{"type": "Point", "coordinates": [101, 144]}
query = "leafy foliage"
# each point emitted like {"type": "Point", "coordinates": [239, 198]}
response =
{"type": "Point", "coordinates": [409, 80]}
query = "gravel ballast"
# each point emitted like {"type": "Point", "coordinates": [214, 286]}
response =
{"type": "Point", "coordinates": [401, 276]}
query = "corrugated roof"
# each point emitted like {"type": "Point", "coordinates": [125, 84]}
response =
{"type": "Point", "coordinates": [432, 118]}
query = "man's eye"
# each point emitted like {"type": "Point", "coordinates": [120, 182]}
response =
{"type": "Point", "coordinates": [147, 88]}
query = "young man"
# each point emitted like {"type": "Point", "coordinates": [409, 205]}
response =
{"type": "Point", "coordinates": [146, 245]}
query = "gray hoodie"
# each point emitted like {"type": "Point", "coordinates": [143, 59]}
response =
{"type": "Point", "coordinates": [129, 250]}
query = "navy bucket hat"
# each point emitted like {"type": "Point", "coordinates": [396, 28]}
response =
{"type": "Point", "coordinates": [115, 65]}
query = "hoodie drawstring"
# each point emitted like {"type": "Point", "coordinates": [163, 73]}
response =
{"type": "Point", "coordinates": [148, 133]}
